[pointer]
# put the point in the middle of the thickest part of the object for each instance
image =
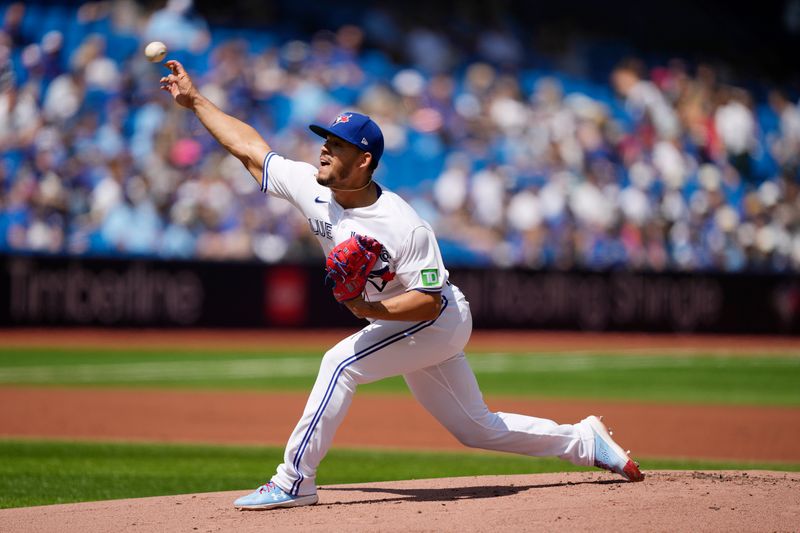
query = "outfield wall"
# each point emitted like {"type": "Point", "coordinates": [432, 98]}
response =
{"type": "Point", "coordinates": [49, 291]}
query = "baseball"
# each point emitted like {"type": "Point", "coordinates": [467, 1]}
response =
{"type": "Point", "coordinates": [155, 51]}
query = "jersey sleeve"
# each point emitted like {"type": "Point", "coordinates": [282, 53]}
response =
{"type": "Point", "coordinates": [284, 178]}
{"type": "Point", "coordinates": [419, 266]}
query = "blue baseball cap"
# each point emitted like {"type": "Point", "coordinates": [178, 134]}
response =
{"type": "Point", "coordinates": [357, 129]}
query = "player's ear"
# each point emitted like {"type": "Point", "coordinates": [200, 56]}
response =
{"type": "Point", "coordinates": [367, 163]}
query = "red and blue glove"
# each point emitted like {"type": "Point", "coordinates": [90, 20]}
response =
{"type": "Point", "coordinates": [349, 264]}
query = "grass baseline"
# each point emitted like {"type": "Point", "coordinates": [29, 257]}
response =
{"type": "Point", "coordinates": [696, 379]}
{"type": "Point", "coordinates": [38, 472]}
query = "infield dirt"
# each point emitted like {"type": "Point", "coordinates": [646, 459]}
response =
{"type": "Point", "coordinates": [665, 501]}
{"type": "Point", "coordinates": [756, 433]}
{"type": "Point", "coordinates": [390, 421]}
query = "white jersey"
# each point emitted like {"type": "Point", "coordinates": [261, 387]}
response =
{"type": "Point", "coordinates": [429, 354]}
{"type": "Point", "coordinates": [410, 259]}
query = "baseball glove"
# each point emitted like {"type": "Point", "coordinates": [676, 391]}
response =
{"type": "Point", "coordinates": [349, 264]}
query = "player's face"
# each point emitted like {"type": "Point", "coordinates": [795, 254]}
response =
{"type": "Point", "coordinates": [338, 162]}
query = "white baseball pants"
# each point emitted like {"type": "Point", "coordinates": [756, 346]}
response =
{"type": "Point", "coordinates": [430, 356]}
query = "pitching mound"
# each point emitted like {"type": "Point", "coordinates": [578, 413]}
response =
{"type": "Point", "coordinates": [665, 501]}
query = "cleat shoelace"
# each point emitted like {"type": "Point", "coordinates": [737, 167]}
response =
{"type": "Point", "coordinates": [266, 487]}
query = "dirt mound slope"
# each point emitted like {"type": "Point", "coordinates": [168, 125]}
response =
{"type": "Point", "coordinates": [665, 501]}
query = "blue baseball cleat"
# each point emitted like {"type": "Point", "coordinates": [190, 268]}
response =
{"type": "Point", "coordinates": [271, 496]}
{"type": "Point", "coordinates": [608, 455]}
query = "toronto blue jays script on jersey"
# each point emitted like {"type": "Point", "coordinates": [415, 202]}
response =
{"type": "Point", "coordinates": [429, 354]}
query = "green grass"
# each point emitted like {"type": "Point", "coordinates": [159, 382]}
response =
{"type": "Point", "coordinates": [645, 376]}
{"type": "Point", "coordinates": [47, 472]}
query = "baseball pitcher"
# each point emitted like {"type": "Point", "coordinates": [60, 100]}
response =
{"type": "Point", "coordinates": [384, 264]}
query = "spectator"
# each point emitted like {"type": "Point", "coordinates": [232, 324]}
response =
{"type": "Point", "coordinates": [176, 26]}
{"type": "Point", "coordinates": [521, 166]}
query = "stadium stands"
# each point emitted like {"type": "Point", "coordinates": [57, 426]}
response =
{"type": "Point", "coordinates": [514, 161]}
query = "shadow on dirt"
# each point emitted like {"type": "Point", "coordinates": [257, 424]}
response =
{"type": "Point", "coordinates": [455, 493]}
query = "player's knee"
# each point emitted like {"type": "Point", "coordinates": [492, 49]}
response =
{"type": "Point", "coordinates": [332, 360]}
{"type": "Point", "coordinates": [471, 440]}
{"type": "Point", "coordinates": [478, 433]}
{"type": "Point", "coordinates": [473, 437]}
{"type": "Point", "coordinates": [335, 363]}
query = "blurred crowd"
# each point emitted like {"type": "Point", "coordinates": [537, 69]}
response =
{"type": "Point", "coordinates": [661, 167]}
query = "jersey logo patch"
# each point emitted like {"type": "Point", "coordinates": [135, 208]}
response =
{"type": "Point", "coordinates": [320, 201]}
{"type": "Point", "coordinates": [379, 278]}
{"type": "Point", "coordinates": [430, 277]}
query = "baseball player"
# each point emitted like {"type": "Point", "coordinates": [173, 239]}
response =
{"type": "Point", "coordinates": [387, 269]}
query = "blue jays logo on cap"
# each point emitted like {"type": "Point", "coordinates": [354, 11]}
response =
{"type": "Point", "coordinates": [356, 129]}
{"type": "Point", "coordinates": [341, 118]}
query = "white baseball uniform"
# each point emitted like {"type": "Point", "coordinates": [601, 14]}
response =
{"type": "Point", "coordinates": [429, 354]}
